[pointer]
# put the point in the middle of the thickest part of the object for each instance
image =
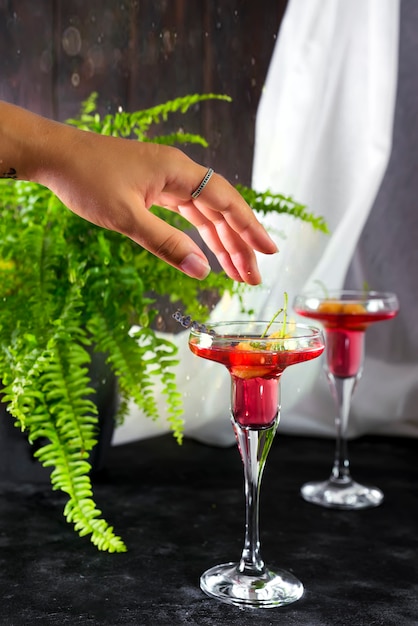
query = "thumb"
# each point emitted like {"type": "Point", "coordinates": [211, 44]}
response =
{"type": "Point", "coordinates": [170, 245]}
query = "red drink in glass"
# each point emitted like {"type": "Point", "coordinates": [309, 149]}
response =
{"type": "Point", "coordinates": [345, 323]}
{"type": "Point", "coordinates": [255, 363]}
{"type": "Point", "coordinates": [255, 366]}
{"type": "Point", "coordinates": [345, 315]}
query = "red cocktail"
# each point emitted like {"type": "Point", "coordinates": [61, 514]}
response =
{"type": "Point", "coordinates": [345, 322]}
{"type": "Point", "coordinates": [345, 315]}
{"type": "Point", "coordinates": [255, 366]}
{"type": "Point", "coordinates": [255, 362]}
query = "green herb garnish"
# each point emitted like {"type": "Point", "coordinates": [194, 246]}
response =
{"type": "Point", "coordinates": [276, 315]}
{"type": "Point", "coordinates": [285, 298]}
{"type": "Point", "coordinates": [323, 287]}
{"type": "Point", "coordinates": [258, 345]}
{"type": "Point", "coordinates": [271, 322]}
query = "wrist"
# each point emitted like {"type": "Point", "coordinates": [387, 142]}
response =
{"type": "Point", "coordinates": [28, 144]}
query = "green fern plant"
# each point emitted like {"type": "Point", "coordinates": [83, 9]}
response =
{"type": "Point", "coordinates": [68, 289]}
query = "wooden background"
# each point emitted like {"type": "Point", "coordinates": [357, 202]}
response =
{"type": "Point", "coordinates": [139, 53]}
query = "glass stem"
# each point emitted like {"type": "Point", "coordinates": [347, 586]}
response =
{"type": "Point", "coordinates": [254, 446]}
{"type": "Point", "coordinates": [342, 390]}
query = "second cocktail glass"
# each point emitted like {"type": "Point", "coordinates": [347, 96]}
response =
{"type": "Point", "coordinates": [345, 316]}
{"type": "Point", "coordinates": [256, 361]}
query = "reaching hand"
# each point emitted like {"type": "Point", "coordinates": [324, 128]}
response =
{"type": "Point", "coordinates": [113, 182]}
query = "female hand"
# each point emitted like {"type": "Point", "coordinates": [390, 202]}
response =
{"type": "Point", "coordinates": [113, 182]}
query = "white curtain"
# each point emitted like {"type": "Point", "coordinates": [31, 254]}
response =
{"type": "Point", "coordinates": [324, 136]}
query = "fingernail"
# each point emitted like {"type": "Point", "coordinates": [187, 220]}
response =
{"type": "Point", "coordinates": [194, 266]}
{"type": "Point", "coordinates": [274, 245]}
{"type": "Point", "coordinates": [270, 242]}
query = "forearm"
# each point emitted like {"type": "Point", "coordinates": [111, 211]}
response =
{"type": "Point", "coordinates": [26, 143]}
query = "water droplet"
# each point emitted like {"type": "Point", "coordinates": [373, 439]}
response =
{"type": "Point", "coordinates": [75, 79]}
{"type": "Point", "coordinates": [71, 41]}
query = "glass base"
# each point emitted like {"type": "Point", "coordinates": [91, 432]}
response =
{"type": "Point", "coordinates": [347, 495]}
{"type": "Point", "coordinates": [268, 590]}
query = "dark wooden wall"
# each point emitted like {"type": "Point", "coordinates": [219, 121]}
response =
{"type": "Point", "coordinates": [138, 53]}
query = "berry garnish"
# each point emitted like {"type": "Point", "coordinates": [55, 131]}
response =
{"type": "Point", "coordinates": [187, 322]}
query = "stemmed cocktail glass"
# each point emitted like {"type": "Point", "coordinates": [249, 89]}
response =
{"type": "Point", "coordinates": [345, 316]}
{"type": "Point", "coordinates": [255, 362]}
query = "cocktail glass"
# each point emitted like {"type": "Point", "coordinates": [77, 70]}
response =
{"type": "Point", "coordinates": [255, 363]}
{"type": "Point", "coordinates": [345, 315]}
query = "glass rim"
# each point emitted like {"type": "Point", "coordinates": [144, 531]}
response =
{"type": "Point", "coordinates": [358, 294]}
{"type": "Point", "coordinates": [309, 331]}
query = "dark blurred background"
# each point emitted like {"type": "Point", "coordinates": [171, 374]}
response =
{"type": "Point", "coordinates": [139, 53]}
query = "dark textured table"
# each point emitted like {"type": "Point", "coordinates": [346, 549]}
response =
{"type": "Point", "coordinates": [181, 510]}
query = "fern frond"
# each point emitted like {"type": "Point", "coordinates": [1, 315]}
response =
{"type": "Point", "coordinates": [161, 361]}
{"type": "Point", "coordinates": [128, 360]}
{"type": "Point", "coordinates": [180, 138]}
{"type": "Point", "coordinates": [267, 202]}
{"type": "Point", "coordinates": [70, 475]}
{"type": "Point", "coordinates": [68, 420]}
{"type": "Point", "coordinates": [138, 123]}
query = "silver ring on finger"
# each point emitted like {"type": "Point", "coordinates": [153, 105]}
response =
{"type": "Point", "coordinates": [203, 184]}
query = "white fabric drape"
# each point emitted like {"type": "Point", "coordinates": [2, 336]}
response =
{"type": "Point", "coordinates": [323, 135]}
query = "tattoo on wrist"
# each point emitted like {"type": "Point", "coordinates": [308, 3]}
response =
{"type": "Point", "coordinates": [10, 174]}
